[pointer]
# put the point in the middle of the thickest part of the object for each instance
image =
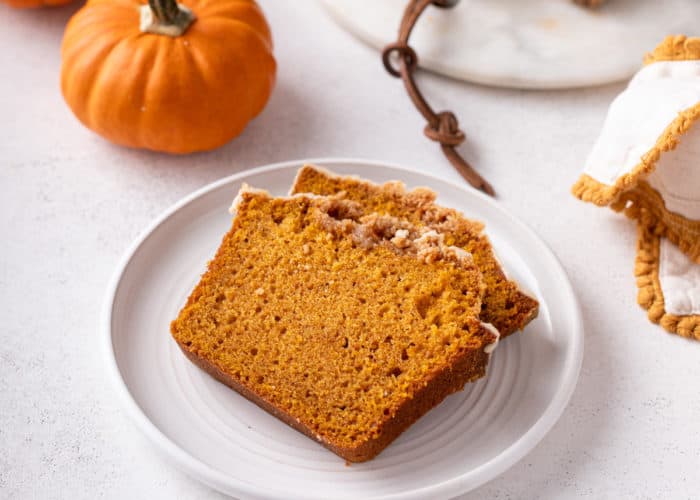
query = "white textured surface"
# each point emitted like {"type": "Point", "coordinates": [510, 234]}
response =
{"type": "Point", "coordinates": [526, 43]}
{"type": "Point", "coordinates": [680, 280]}
{"type": "Point", "coordinates": [71, 204]}
{"type": "Point", "coordinates": [639, 115]}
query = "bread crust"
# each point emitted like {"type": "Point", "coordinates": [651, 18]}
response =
{"type": "Point", "coordinates": [293, 363]}
{"type": "Point", "coordinates": [466, 367]}
{"type": "Point", "coordinates": [421, 202]}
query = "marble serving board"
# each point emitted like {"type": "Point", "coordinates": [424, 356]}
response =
{"type": "Point", "coordinates": [526, 43]}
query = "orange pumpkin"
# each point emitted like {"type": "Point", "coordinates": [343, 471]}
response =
{"type": "Point", "coordinates": [166, 76]}
{"type": "Point", "coordinates": [33, 4]}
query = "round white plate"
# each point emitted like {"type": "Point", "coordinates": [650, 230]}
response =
{"type": "Point", "coordinates": [230, 444]}
{"type": "Point", "coordinates": [526, 43]}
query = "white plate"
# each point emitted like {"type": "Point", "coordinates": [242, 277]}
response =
{"type": "Point", "coordinates": [230, 444]}
{"type": "Point", "coordinates": [525, 43]}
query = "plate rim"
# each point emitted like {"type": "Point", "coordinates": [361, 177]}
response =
{"type": "Point", "coordinates": [222, 482]}
{"type": "Point", "coordinates": [436, 67]}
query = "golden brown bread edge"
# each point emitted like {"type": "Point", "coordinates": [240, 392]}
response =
{"type": "Point", "coordinates": [310, 178]}
{"type": "Point", "coordinates": [467, 367]}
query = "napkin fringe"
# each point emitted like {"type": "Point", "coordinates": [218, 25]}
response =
{"type": "Point", "coordinates": [650, 295]}
{"type": "Point", "coordinates": [646, 205]}
{"type": "Point", "coordinates": [675, 48]}
{"type": "Point", "coordinates": [590, 190]}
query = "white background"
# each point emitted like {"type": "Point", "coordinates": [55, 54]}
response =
{"type": "Point", "coordinates": [70, 204]}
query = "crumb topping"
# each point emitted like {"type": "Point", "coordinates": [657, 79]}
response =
{"type": "Point", "coordinates": [342, 217]}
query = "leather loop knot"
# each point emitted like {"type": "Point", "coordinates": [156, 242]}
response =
{"type": "Point", "coordinates": [446, 130]}
{"type": "Point", "coordinates": [442, 127]}
{"type": "Point", "coordinates": [445, 4]}
{"type": "Point", "coordinates": [404, 53]}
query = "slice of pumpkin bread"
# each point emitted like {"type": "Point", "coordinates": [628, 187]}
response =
{"type": "Point", "coordinates": [348, 327]}
{"type": "Point", "coordinates": [505, 306]}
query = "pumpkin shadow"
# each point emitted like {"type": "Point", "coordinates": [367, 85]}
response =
{"type": "Point", "coordinates": [48, 19]}
{"type": "Point", "coordinates": [282, 131]}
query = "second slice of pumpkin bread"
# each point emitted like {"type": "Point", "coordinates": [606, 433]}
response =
{"type": "Point", "coordinates": [347, 326]}
{"type": "Point", "coordinates": [505, 306]}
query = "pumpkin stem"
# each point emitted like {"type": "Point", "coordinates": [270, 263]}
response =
{"type": "Point", "coordinates": [165, 17]}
